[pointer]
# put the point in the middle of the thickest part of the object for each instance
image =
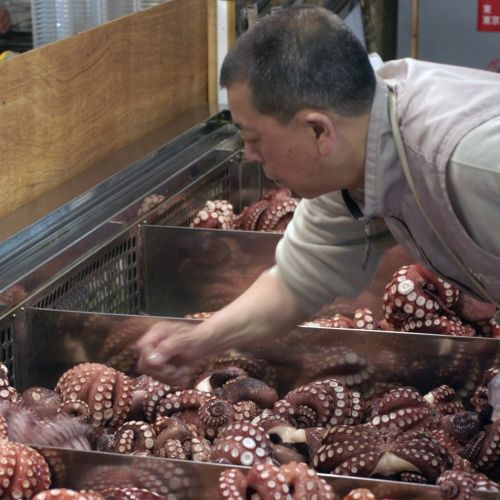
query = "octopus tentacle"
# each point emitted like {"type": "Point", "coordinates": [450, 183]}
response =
{"type": "Point", "coordinates": [460, 485]}
{"type": "Point", "coordinates": [155, 392]}
{"type": "Point", "coordinates": [133, 436]}
{"type": "Point", "coordinates": [245, 410]}
{"type": "Point", "coordinates": [217, 378]}
{"type": "Point", "coordinates": [483, 450]}
{"type": "Point", "coordinates": [131, 493]}
{"type": "Point", "coordinates": [45, 402]}
{"type": "Point", "coordinates": [67, 494]}
{"type": "Point", "coordinates": [216, 214]}
{"type": "Point", "coordinates": [463, 426]}
{"type": "Point", "coordinates": [232, 485]}
{"type": "Point", "coordinates": [107, 391]}
{"type": "Point", "coordinates": [404, 408]}
{"type": "Point", "coordinates": [242, 444]}
{"type": "Point", "coordinates": [360, 494]}
{"type": "Point", "coordinates": [248, 389]}
{"type": "Point", "coordinates": [27, 474]}
{"type": "Point", "coordinates": [214, 414]}
{"type": "Point", "coordinates": [322, 403]}
{"type": "Point", "coordinates": [364, 450]}
{"type": "Point", "coordinates": [254, 367]}
{"type": "Point", "coordinates": [76, 409]}
{"type": "Point", "coordinates": [443, 400]}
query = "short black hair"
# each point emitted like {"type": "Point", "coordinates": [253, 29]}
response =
{"type": "Point", "coordinates": [301, 57]}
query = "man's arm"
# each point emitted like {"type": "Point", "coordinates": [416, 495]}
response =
{"type": "Point", "coordinates": [264, 311]}
{"type": "Point", "coordinates": [320, 257]}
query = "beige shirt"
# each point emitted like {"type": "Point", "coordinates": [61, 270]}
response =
{"type": "Point", "coordinates": [321, 254]}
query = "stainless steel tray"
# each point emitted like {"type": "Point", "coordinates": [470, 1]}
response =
{"type": "Point", "coordinates": [191, 480]}
{"type": "Point", "coordinates": [56, 340]}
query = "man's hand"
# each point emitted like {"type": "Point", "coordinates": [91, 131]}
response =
{"type": "Point", "coordinates": [168, 349]}
{"type": "Point", "coordinates": [5, 22]}
{"type": "Point", "coordinates": [262, 313]}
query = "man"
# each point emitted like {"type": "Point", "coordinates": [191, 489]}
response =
{"type": "Point", "coordinates": [311, 110]}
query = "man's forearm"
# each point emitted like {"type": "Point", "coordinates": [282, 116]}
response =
{"type": "Point", "coordinates": [265, 311]}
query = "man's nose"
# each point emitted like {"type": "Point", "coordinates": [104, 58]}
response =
{"type": "Point", "coordinates": [251, 154]}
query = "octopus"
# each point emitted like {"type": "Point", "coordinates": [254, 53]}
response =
{"type": "Point", "coordinates": [8, 394]}
{"type": "Point", "coordinates": [216, 214]}
{"type": "Point", "coordinates": [360, 494]}
{"type": "Point", "coordinates": [175, 439]}
{"type": "Point", "coordinates": [272, 212]}
{"type": "Point", "coordinates": [479, 400]}
{"type": "Point", "coordinates": [245, 388]}
{"type": "Point", "coordinates": [402, 408]}
{"type": "Point", "coordinates": [460, 485]}
{"type": "Point", "coordinates": [338, 362]}
{"type": "Point", "coordinates": [132, 437]}
{"type": "Point", "coordinates": [114, 493]}
{"type": "Point", "coordinates": [363, 318]}
{"type": "Point", "coordinates": [131, 493]}
{"type": "Point", "coordinates": [325, 402]}
{"type": "Point", "coordinates": [200, 409]}
{"type": "Point", "coordinates": [461, 426]}
{"type": "Point", "coordinates": [67, 494]}
{"type": "Point", "coordinates": [416, 300]}
{"type": "Point", "coordinates": [290, 481]}
{"type": "Point", "coordinates": [416, 293]}
{"type": "Point", "coordinates": [233, 384]}
{"type": "Point", "coordinates": [483, 450]}
{"type": "Point", "coordinates": [150, 202]}
{"type": "Point", "coordinates": [367, 451]}
{"type": "Point", "coordinates": [242, 444]}
{"type": "Point", "coordinates": [27, 472]}
{"type": "Point", "coordinates": [290, 443]}
{"type": "Point", "coordinates": [443, 401]}
{"type": "Point", "coordinates": [106, 391]}
{"type": "Point", "coordinates": [254, 367]}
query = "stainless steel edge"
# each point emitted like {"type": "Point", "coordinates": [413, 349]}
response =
{"type": "Point", "coordinates": [183, 480]}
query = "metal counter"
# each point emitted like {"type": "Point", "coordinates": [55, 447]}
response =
{"type": "Point", "coordinates": [86, 281]}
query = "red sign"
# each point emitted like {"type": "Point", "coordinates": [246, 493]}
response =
{"type": "Point", "coordinates": [488, 15]}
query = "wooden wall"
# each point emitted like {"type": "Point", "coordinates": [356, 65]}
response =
{"type": "Point", "coordinates": [68, 105]}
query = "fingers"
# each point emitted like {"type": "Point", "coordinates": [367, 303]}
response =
{"type": "Point", "coordinates": [165, 350]}
{"type": "Point", "coordinates": [167, 373]}
{"type": "Point", "coordinates": [154, 335]}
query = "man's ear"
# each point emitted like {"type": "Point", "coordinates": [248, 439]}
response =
{"type": "Point", "coordinates": [323, 129]}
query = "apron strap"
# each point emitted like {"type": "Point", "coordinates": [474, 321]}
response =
{"type": "Point", "coordinates": [406, 169]}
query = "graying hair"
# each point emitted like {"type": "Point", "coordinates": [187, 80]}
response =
{"type": "Point", "coordinates": [301, 57]}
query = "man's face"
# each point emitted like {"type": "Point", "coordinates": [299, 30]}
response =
{"type": "Point", "coordinates": [288, 153]}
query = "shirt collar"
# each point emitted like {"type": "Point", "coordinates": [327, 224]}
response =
{"type": "Point", "coordinates": [381, 156]}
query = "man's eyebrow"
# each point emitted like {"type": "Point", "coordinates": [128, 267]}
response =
{"type": "Point", "coordinates": [243, 128]}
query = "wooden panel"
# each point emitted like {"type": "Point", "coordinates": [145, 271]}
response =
{"type": "Point", "coordinates": [212, 52]}
{"type": "Point", "coordinates": [68, 105]}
